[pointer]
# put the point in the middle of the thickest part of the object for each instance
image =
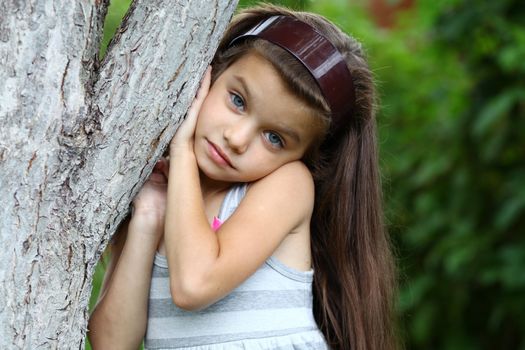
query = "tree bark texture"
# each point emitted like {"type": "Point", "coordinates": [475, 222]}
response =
{"type": "Point", "coordinates": [77, 140]}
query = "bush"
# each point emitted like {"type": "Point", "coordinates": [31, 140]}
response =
{"type": "Point", "coordinates": [452, 130]}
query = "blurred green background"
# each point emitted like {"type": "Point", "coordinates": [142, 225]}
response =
{"type": "Point", "coordinates": [451, 78]}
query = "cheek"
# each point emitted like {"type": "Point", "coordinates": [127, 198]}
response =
{"type": "Point", "coordinates": [264, 164]}
{"type": "Point", "coordinates": [204, 118]}
{"type": "Point", "coordinates": [199, 127]}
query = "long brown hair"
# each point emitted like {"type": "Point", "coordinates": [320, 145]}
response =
{"type": "Point", "coordinates": [354, 281]}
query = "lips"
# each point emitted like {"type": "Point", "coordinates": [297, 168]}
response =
{"type": "Point", "coordinates": [218, 156]}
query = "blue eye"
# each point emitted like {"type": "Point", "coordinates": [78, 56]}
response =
{"type": "Point", "coordinates": [274, 139]}
{"type": "Point", "coordinates": [237, 101]}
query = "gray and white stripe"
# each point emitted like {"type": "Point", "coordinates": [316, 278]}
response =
{"type": "Point", "coordinates": [272, 309]}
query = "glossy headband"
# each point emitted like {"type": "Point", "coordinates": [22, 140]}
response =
{"type": "Point", "coordinates": [320, 57]}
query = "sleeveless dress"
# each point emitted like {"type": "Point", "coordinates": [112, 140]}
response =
{"type": "Point", "coordinates": [272, 309]}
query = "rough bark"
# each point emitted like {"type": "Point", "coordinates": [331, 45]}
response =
{"type": "Point", "coordinates": [78, 140]}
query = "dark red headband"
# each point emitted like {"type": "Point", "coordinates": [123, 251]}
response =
{"type": "Point", "coordinates": [322, 59]}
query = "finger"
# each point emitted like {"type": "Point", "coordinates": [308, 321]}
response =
{"type": "Point", "coordinates": [164, 166]}
{"type": "Point", "coordinates": [157, 178]}
{"type": "Point", "coordinates": [205, 83]}
{"type": "Point", "coordinates": [201, 94]}
{"type": "Point", "coordinates": [159, 172]}
{"type": "Point", "coordinates": [186, 130]}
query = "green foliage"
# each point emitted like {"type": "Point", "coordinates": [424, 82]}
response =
{"type": "Point", "coordinates": [450, 78]}
{"type": "Point", "coordinates": [453, 151]}
{"type": "Point", "coordinates": [452, 128]}
{"type": "Point", "coordinates": [116, 11]}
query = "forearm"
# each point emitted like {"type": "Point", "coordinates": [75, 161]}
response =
{"type": "Point", "coordinates": [192, 247]}
{"type": "Point", "coordinates": [119, 319]}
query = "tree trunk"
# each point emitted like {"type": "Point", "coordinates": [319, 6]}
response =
{"type": "Point", "coordinates": [77, 140]}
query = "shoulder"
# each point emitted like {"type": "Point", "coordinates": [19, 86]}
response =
{"type": "Point", "coordinates": [290, 186]}
{"type": "Point", "coordinates": [291, 172]}
{"type": "Point", "coordinates": [292, 176]}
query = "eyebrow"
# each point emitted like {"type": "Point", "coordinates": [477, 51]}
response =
{"type": "Point", "coordinates": [290, 132]}
{"type": "Point", "coordinates": [281, 128]}
{"type": "Point", "coordinates": [242, 81]}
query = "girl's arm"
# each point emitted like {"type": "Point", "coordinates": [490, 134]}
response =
{"type": "Point", "coordinates": [114, 251]}
{"type": "Point", "coordinates": [119, 319]}
{"type": "Point", "coordinates": [205, 265]}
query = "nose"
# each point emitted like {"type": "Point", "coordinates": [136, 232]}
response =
{"type": "Point", "coordinates": [238, 136]}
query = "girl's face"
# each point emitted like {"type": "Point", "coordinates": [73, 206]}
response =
{"type": "Point", "coordinates": [250, 124]}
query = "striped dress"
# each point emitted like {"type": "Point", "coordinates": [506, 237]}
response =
{"type": "Point", "coordinates": [270, 310]}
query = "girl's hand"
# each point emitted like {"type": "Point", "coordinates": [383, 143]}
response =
{"type": "Point", "coordinates": [184, 135]}
{"type": "Point", "coordinates": [149, 206]}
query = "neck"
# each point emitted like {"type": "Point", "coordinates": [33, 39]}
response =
{"type": "Point", "coordinates": [210, 187]}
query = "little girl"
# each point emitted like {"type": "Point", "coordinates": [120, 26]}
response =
{"type": "Point", "coordinates": [266, 232]}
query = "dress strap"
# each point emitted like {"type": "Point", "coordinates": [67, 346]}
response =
{"type": "Point", "coordinates": [232, 200]}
